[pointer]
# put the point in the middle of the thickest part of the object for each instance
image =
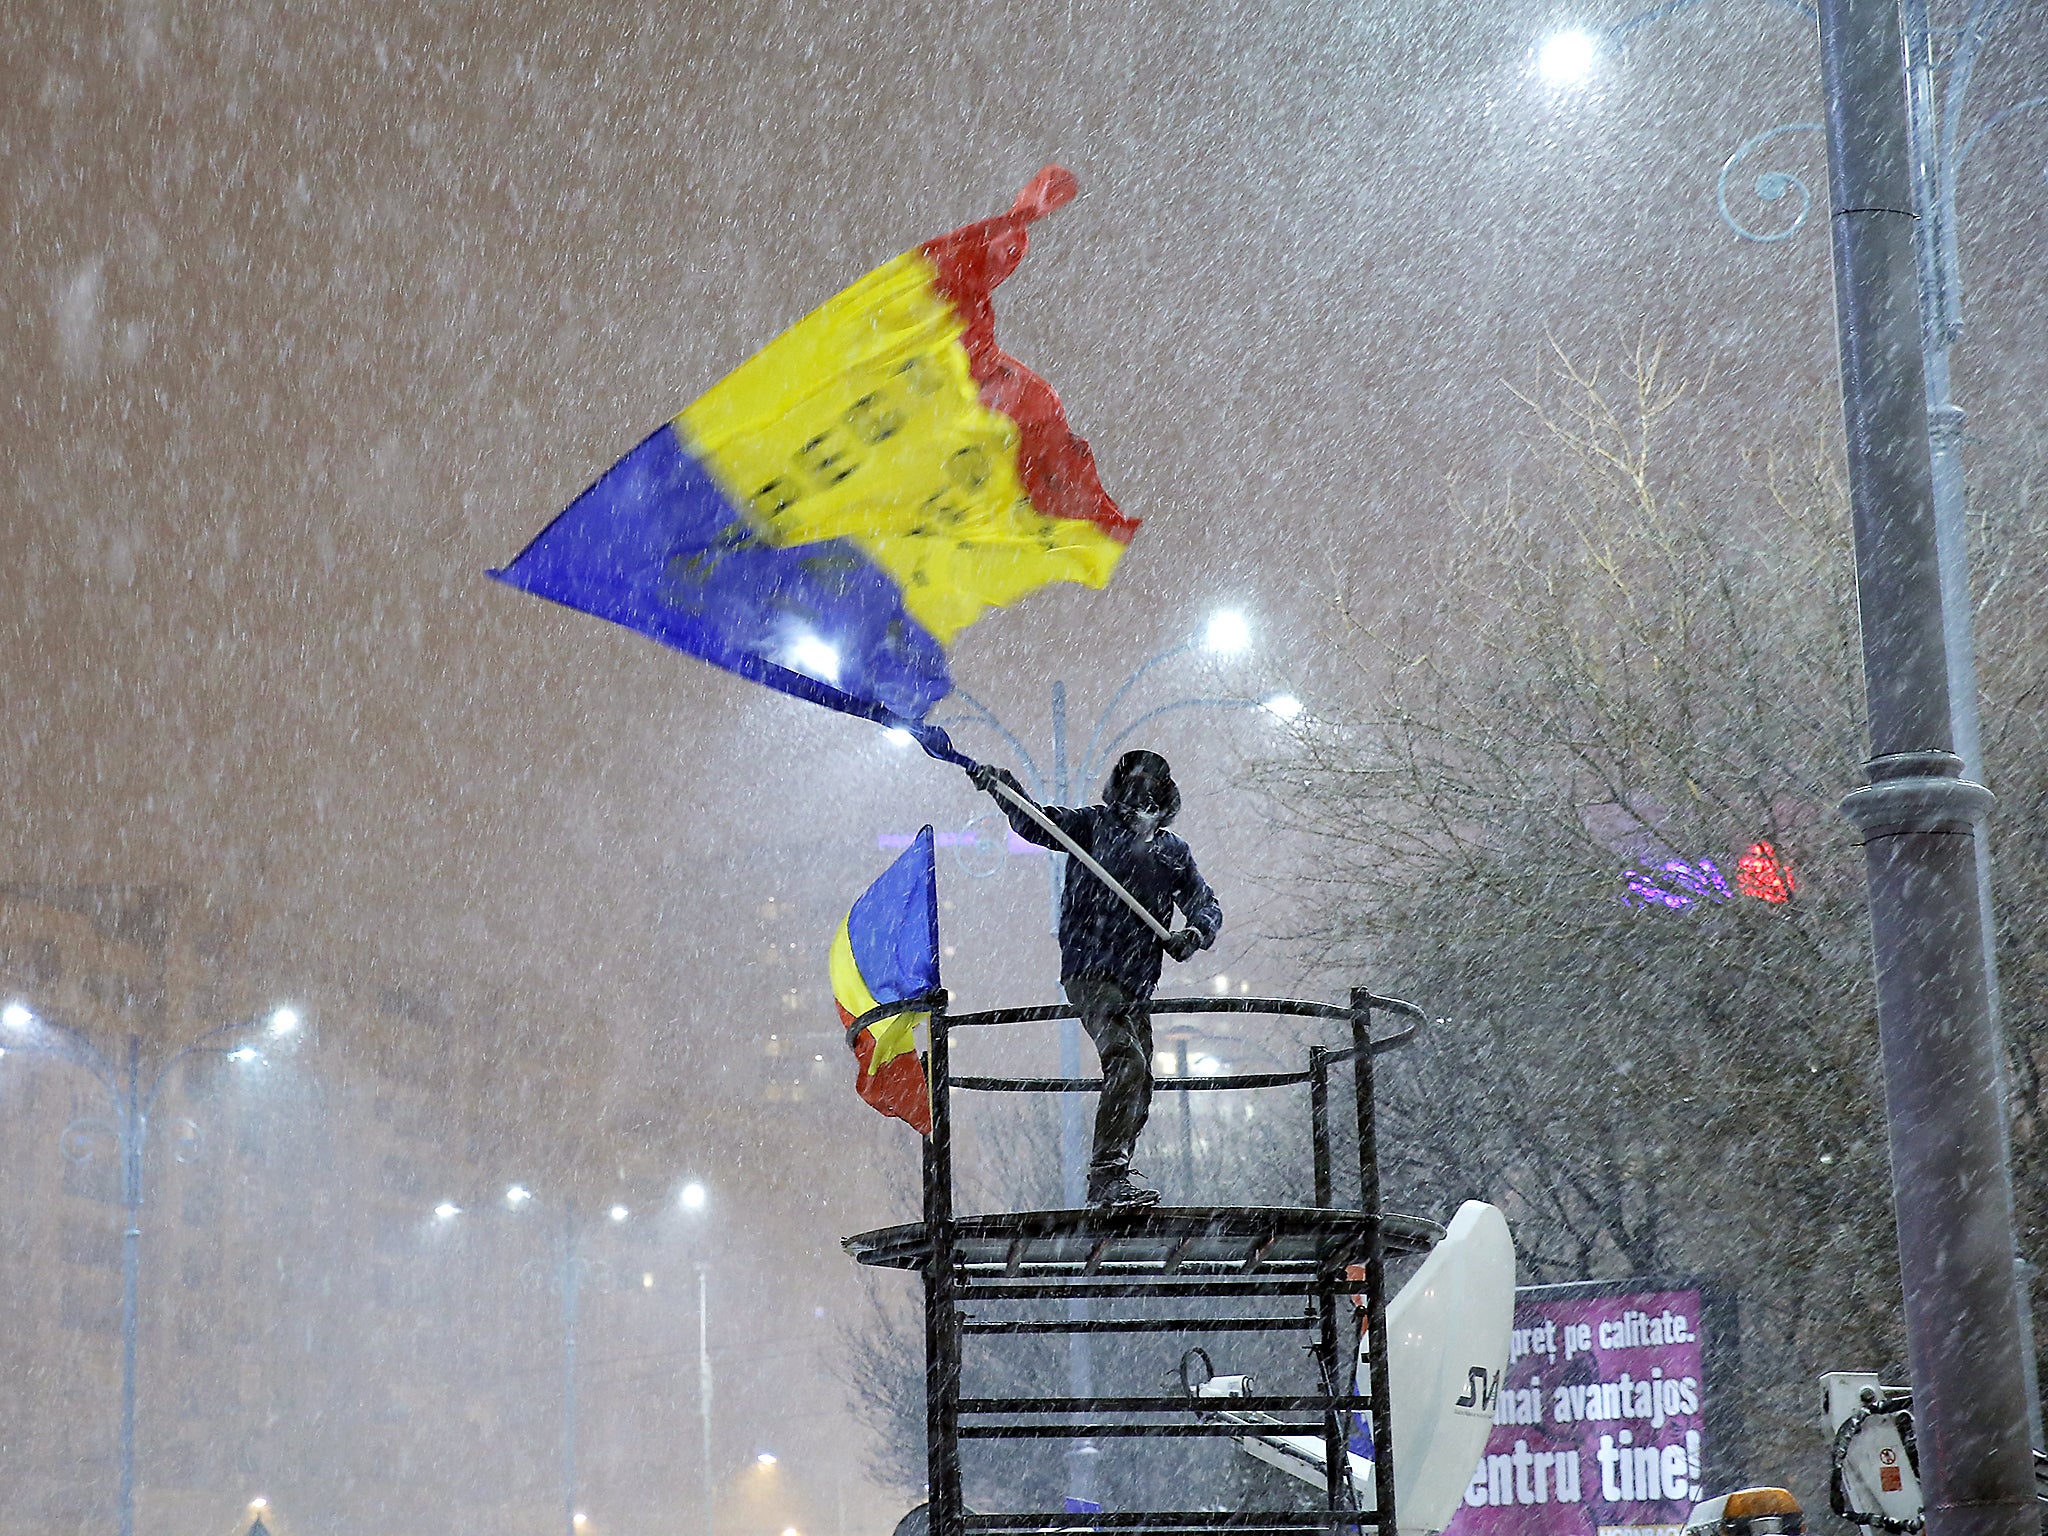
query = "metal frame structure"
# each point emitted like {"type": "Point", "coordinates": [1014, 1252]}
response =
{"type": "Point", "coordinates": [1159, 1255]}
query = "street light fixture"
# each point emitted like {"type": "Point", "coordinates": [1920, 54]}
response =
{"type": "Point", "coordinates": [131, 1097]}
{"type": "Point", "coordinates": [574, 1270]}
{"type": "Point", "coordinates": [1228, 634]}
{"type": "Point", "coordinates": [1567, 57]}
{"type": "Point", "coordinates": [765, 1460]}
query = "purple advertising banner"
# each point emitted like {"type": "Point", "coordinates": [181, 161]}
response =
{"type": "Point", "coordinates": [1598, 1427]}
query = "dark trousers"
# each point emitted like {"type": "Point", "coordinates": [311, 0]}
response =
{"type": "Point", "coordinates": [1121, 1027]}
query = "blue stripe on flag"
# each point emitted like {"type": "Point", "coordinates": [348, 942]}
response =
{"type": "Point", "coordinates": [894, 928]}
{"type": "Point", "coordinates": [657, 547]}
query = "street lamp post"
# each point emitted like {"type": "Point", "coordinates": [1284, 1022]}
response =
{"type": "Point", "coordinates": [1939, 142]}
{"type": "Point", "coordinates": [1226, 634]}
{"type": "Point", "coordinates": [569, 1278]}
{"type": "Point", "coordinates": [1187, 1123]}
{"type": "Point", "coordinates": [693, 1200]}
{"type": "Point", "coordinates": [1946, 1121]}
{"type": "Point", "coordinates": [1926, 148]}
{"type": "Point", "coordinates": [571, 1288]}
{"type": "Point", "coordinates": [575, 1270]}
{"type": "Point", "coordinates": [131, 1097]}
{"type": "Point", "coordinates": [710, 1489]}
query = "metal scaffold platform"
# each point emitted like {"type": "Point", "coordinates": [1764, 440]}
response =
{"type": "Point", "coordinates": [1190, 1270]}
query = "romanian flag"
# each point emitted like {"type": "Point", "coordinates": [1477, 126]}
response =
{"type": "Point", "coordinates": [887, 951]}
{"type": "Point", "coordinates": [834, 512]}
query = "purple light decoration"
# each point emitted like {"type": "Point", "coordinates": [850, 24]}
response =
{"type": "Point", "coordinates": [1676, 883]}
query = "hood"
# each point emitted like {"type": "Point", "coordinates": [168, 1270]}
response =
{"type": "Point", "coordinates": [1142, 764]}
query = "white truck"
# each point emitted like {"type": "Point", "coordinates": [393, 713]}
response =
{"type": "Point", "coordinates": [1447, 1345]}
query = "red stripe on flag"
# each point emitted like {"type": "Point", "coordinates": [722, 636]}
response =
{"type": "Point", "coordinates": [1056, 467]}
{"type": "Point", "coordinates": [898, 1089]}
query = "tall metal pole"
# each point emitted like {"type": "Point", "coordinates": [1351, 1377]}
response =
{"type": "Point", "coordinates": [1951, 1184]}
{"type": "Point", "coordinates": [941, 1322]}
{"type": "Point", "coordinates": [1936, 159]}
{"type": "Point", "coordinates": [134, 1132]}
{"type": "Point", "coordinates": [1187, 1124]}
{"type": "Point", "coordinates": [129, 1103]}
{"type": "Point", "coordinates": [569, 1302]}
{"type": "Point", "coordinates": [704, 1389]}
{"type": "Point", "coordinates": [1073, 1130]}
{"type": "Point", "coordinates": [1366, 1107]}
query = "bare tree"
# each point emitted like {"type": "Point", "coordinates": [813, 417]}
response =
{"type": "Point", "coordinates": [1589, 815]}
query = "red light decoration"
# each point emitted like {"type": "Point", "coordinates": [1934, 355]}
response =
{"type": "Point", "coordinates": [1761, 873]}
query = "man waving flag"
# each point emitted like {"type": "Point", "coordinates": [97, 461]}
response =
{"type": "Point", "coordinates": [830, 516]}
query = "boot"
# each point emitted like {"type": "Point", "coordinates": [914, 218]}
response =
{"type": "Point", "coordinates": [1122, 1191]}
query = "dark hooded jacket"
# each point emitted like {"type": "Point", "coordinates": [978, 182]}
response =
{"type": "Point", "coordinates": [1099, 935]}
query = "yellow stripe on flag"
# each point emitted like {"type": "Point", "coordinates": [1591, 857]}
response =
{"type": "Point", "coordinates": [863, 422]}
{"type": "Point", "coordinates": [893, 1036]}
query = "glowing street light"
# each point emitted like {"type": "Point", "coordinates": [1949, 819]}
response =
{"type": "Point", "coordinates": [1228, 634]}
{"type": "Point", "coordinates": [693, 1196]}
{"type": "Point", "coordinates": [765, 1461]}
{"type": "Point", "coordinates": [1284, 706]}
{"type": "Point", "coordinates": [619, 1213]}
{"type": "Point", "coordinates": [131, 1098]}
{"type": "Point", "coordinates": [447, 1210]}
{"type": "Point", "coordinates": [1566, 58]}
{"type": "Point", "coordinates": [809, 654]}
{"type": "Point", "coordinates": [259, 1503]}
{"type": "Point", "coordinates": [517, 1195]}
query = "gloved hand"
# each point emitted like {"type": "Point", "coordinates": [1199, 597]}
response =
{"type": "Point", "coordinates": [983, 777]}
{"type": "Point", "coordinates": [1185, 942]}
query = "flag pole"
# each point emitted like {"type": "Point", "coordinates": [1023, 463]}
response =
{"type": "Point", "coordinates": [1024, 803]}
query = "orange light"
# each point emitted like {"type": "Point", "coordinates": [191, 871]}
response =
{"type": "Point", "coordinates": [1748, 1503]}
